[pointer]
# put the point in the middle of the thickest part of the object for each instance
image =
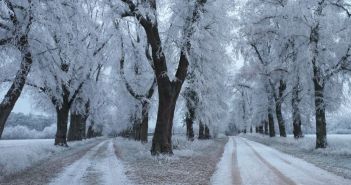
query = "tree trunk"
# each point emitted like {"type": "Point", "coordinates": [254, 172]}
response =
{"type": "Point", "coordinates": [83, 127]}
{"type": "Point", "coordinates": [191, 103]}
{"type": "Point", "coordinates": [136, 130]}
{"type": "Point", "coordinates": [271, 123]}
{"type": "Point", "coordinates": [266, 130]}
{"type": "Point", "coordinates": [145, 122]}
{"type": "Point", "coordinates": [318, 82]}
{"type": "Point", "coordinates": [15, 90]}
{"type": "Point", "coordinates": [62, 120]}
{"type": "Point", "coordinates": [321, 125]}
{"type": "Point", "coordinates": [162, 141]}
{"type": "Point", "coordinates": [207, 132]}
{"type": "Point", "coordinates": [75, 128]}
{"type": "Point", "coordinates": [278, 109]}
{"type": "Point", "coordinates": [201, 130]}
{"type": "Point", "coordinates": [297, 131]}
{"type": "Point", "coordinates": [189, 128]}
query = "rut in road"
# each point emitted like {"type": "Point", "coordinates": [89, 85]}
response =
{"type": "Point", "coordinates": [282, 178]}
{"type": "Point", "coordinates": [260, 164]}
{"type": "Point", "coordinates": [236, 171]}
{"type": "Point", "coordinates": [98, 166]}
{"type": "Point", "coordinates": [45, 170]}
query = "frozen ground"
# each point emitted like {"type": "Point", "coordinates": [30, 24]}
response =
{"type": "Point", "coordinates": [246, 162]}
{"type": "Point", "coordinates": [110, 161]}
{"type": "Point", "coordinates": [336, 158]}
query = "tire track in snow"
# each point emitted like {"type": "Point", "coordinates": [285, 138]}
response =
{"type": "Point", "coordinates": [45, 170]}
{"type": "Point", "coordinates": [75, 173]}
{"type": "Point", "coordinates": [236, 172]}
{"type": "Point", "coordinates": [297, 169]}
{"type": "Point", "coordinates": [99, 166]}
{"type": "Point", "coordinates": [228, 172]}
{"type": "Point", "coordinates": [284, 179]}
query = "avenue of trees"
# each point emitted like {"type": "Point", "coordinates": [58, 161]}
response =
{"type": "Point", "coordinates": [101, 65]}
{"type": "Point", "coordinates": [297, 61]}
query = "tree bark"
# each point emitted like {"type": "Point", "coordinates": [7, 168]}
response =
{"type": "Point", "coordinates": [321, 125]}
{"type": "Point", "coordinates": [75, 132]}
{"type": "Point", "coordinates": [266, 130]}
{"type": "Point", "coordinates": [201, 130]}
{"type": "Point", "coordinates": [207, 132]}
{"type": "Point", "coordinates": [297, 131]}
{"type": "Point", "coordinates": [145, 122]}
{"type": "Point", "coordinates": [278, 108]}
{"type": "Point", "coordinates": [189, 128]}
{"type": "Point", "coordinates": [62, 120]}
{"type": "Point", "coordinates": [16, 88]}
{"type": "Point", "coordinates": [319, 83]}
{"type": "Point", "coordinates": [271, 123]}
{"type": "Point", "coordinates": [162, 140]}
{"type": "Point", "coordinates": [191, 104]}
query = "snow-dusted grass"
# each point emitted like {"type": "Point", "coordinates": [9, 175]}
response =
{"type": "Point", "coordinates": [337, 144]}
{"type": "Point", "coordinates": [17, 155]}
{"type": "Point", "coordinates": [133, 150]}
{"type": "Point", "coordinates": [192, 162]}
{"type": "Point", "coordinates": [335, 158]}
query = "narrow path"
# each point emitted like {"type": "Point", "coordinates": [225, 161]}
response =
{"type": "Point", "coordinates": [45, 170]}
{"type": "Point", "coordinates": [98, 166]}
{"type": "Point", "coordinates": [252, 163]}
{"type": "Point", "coordinates": [236, 171]}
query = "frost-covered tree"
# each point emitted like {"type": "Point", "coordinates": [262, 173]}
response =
{"type": "Point", "coordinates": [146, 13]}
{"type": "Point", "coordinates": [16, 19]}
{"type": "Point", "coordinates": [72, 42]}
{"type": "Point", "coordinates": [300, 31]}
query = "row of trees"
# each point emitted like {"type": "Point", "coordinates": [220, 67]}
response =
{"type": "Point", "coordinates": [297, 58]}
{"type": "Point", "coordinates": [100, 62]}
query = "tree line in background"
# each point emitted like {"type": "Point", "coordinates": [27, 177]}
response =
{"type": "Point", "coordinates": [297, 63]}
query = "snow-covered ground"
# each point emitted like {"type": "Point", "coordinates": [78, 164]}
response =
{"type": "Point", "coordinates": [253, 163]}
{"type": "Point", "coordinates": [17, 155]}
{"type": "Point", "coordinates": [109, 161]}
{"type": "Point", "coordinates": [335, 158]}
{"type": "Point", "coordinates": [192, 162]}
{"type": "Point", "coordinates": [98, 166]}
